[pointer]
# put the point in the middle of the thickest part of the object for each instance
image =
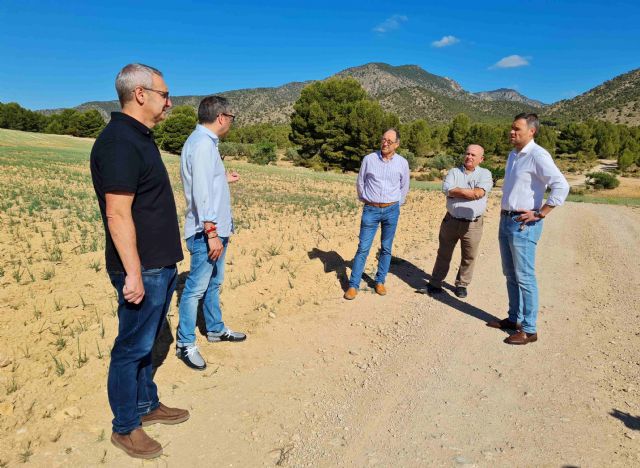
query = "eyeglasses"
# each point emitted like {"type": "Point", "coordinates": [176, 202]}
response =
{"type": "Point", "coordinates": [231, 116]}
{"type": "Point", "coordinates": [164, 94]}
{"type": "Point", "coordinates": [388, 142]}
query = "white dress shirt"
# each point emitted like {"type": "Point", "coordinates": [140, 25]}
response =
{"type": "Point", "coordinates": [527, 175]}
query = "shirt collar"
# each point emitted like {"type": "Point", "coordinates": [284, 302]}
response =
{"type": "Point", "coordinates": [135, 123]}
{"type": "Point", "coordinates": [202, 128]}
{"type": "Point", "coordinates": [527, 148]}
{"type": "Point", "coordinates": [380, 155]}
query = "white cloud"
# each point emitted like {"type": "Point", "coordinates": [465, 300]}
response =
{"type": "Point", "coordinates": [391, 23]}
{"type": "Point", "coordinates": [445, 41]}
{"type": "Point", "coordinates": [512, 61]}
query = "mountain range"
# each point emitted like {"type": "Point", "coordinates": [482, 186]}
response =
{"type": "Point", "coordinates": [413, 93]}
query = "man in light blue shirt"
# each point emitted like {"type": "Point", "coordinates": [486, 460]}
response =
{"type": "Point", "coordinates": [466, 188]}
{"type": "Point", "coordinates": [383, 184]}
{"type": "Point", "coordinates": [208, 225]}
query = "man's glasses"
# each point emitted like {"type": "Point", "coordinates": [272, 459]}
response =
{"type": "Point", "coordinates": [164, 94]}
{"type": "Point", "coordinates": [388, 142]}
{"type": "Point", "coordinates": [231, 116]}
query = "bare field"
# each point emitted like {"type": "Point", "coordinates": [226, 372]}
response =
{"type": "Point", "coordinates": [58, 308]}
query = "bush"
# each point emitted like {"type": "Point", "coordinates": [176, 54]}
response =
{"type": "Point", "coordinates": [442, 162]}
{"type": "Point", "coordinates": [291, 154]}
{"type": "Point", "coordinates": [239, 150]}
{"type": "Point", "coordinates": [264, 154]}
{"type": "Point", "coordinates": [411, 159]}
{"type": "Point", "coordinates": [430, 176]}
{"type": "Point", "coordinates": [602, 180]}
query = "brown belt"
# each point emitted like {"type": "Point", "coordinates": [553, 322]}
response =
{"type": "Point", "coordinates": [380, 205]}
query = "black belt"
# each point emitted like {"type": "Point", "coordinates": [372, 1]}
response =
{"type": "Point", "coordinates": [465, 220]}
{"type": "Point", "coordinates": [511, 213]}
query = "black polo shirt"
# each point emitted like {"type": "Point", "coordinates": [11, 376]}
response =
{"type": "Point", "coordinates": [125, 158]}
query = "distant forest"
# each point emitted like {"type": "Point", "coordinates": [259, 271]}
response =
{"type": "Point", "coordinates": [334, 124]}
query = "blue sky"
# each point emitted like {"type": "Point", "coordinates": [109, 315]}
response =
{"type": "Point", "coordinates": [61, 54]}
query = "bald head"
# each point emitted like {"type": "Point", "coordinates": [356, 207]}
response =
{"type": "Point", "coordinates": [473, 157]}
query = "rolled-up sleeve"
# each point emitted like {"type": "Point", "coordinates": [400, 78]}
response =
{"type": "Point", "coordinates": [203, 167]}
{"type": "Point", "coordinates": [449, 182]}
{"type": "Point", "coordinates": [549, 173]}
{"type": "Point", "coordinates": [486, 181]}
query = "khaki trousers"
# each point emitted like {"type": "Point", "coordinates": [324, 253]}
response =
{"type": "Point", "coordinates": [452, 231]}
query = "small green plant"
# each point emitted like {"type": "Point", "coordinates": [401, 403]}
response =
{"type": "Point", "coordinates": [99, 355]}
{"type": "Point", "coordinates": [57, 304]}
{"type": "Point", "coordinates": [12, 386]}
{"type": "Point", "coordinates": [17, 274]}
{"type": "Point", "coordinates": [59, 366]}
{"type": "Point", "coordinates": [55, 255]}
{"type": "Point", "coordinates": [48, 273]}
{"type": "Point", "coordinates": [26, 454]}
{"type": "Point", "coordinates": [82, 357]}
{"type": "Point", "coordinates": [95, 265]}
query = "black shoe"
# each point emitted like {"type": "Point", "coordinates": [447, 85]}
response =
{"type": "Point", "coordinates": [191, 357]}
{"type": "Point", "coordinates": [430, 290]}
{"type": "Point", "coordinates": [460, 292]}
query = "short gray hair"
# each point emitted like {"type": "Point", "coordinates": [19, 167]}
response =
{"type": "Point", "coordinates": [132, 76]}
{"type": "Point", "coordinates": [211, 107]}
{"type": "Point", "coordinates": [532, 120]}
{"type": "Point", "coordinates": [395, 130]}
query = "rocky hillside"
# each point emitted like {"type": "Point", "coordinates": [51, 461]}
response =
{"type": "Point", "coordinates": [414, 93]}
{"type": "Point", "coordinates": [616, 100]}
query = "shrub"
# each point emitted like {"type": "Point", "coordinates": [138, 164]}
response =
{"type": "Point", "coordinates": [602, 180]}
{"type": "Point", "coordinates": [442, 162]}
{"type": "Point", "coordinates": [240, 150]}
{"type": "Point", "coordinates": [411, 159]}
{"type": "Point", "coordinates": [291, 154]}
{"type": "Point", "coordinates": [264, 154]}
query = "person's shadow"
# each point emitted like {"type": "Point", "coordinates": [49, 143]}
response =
{"type": "Point", "coordinates": [165, 338]}
{"type": "Point", "coordinates": [632, 422]}
{"type": "Point", "coordinates": [333, 262]}
{"type": "Point", "coordinates": [418, 279]}
{"type": "Point", "coordinates": [412, 275]}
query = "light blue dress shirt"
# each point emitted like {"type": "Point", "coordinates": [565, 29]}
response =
{"type": "Point", "coordinates": [381, 181]}
{"type": "Point", "coordinates": [457, 177]}
{"type": "Point", "coordinates": [204, 180]}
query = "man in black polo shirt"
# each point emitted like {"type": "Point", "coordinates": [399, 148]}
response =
{"type": "Point", "coordinates": [142, 248]}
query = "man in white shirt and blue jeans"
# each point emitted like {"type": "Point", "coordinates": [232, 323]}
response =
{"type": "Point", "coordinates": [207, 227]}
{"type": "Point", "coordinates": [529, 171]}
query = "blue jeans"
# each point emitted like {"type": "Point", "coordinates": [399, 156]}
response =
{"type": "Point", "coordinates": [518, 252]}
{"type": "Point", "coordinates": [132, 392]}
{"type": "Point", "coordinates": [387, 218]}
{"type": "Point", "coordinates": [203, 282]}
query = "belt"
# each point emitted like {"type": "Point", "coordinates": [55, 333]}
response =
{"type": "Point", "coordinates": [510, 213]}
{"type": "Point", "coordinates": [465, 220]}
{"type": "Point", "coordinates": [380, 205]}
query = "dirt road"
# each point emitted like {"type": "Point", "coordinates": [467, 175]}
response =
{"type": "Point", "coordinates": [408, 380]}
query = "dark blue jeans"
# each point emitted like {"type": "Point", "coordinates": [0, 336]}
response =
{"type": "Point", "coordinates": [372, 217]}
{"type": "Point", "coordinates": [132, 392]}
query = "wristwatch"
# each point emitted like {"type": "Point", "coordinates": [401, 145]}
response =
{"type": "Point", "coordinates": [540, 215]}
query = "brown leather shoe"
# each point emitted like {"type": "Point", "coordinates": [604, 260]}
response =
{"type": "Point", "coordinates": [521, 338]}
{"type": "Point", "coordinates": [505, 324]}
{"type": "Point", "coordinates": [165, 415]}
{"type": "Point", "coordinates": [350, 294]}
{"type": "Point", "coordinates": [380, 289]}
{"type": "Point", "coordinates": [137, 444]}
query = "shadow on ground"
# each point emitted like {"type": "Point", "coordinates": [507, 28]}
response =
{"type": "Point", "coordinates": [414, 276]}
{"type": "Point", "coordinates": [632, 422]}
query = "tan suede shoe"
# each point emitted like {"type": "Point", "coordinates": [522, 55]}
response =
{"type": "Point", "coordinates": [137, 444]}
{"type": "Point", "coordinates": [350, 294]}
{"type": "Point", "coordinates": [380, 289]}
{"type": "Point", "coordinates": [165, 415]}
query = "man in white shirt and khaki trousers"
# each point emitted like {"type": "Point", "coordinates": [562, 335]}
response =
{"type": "Point", "coordinates": [529, 171]}
{"type": "Point", "coordinates": [466, 188]}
